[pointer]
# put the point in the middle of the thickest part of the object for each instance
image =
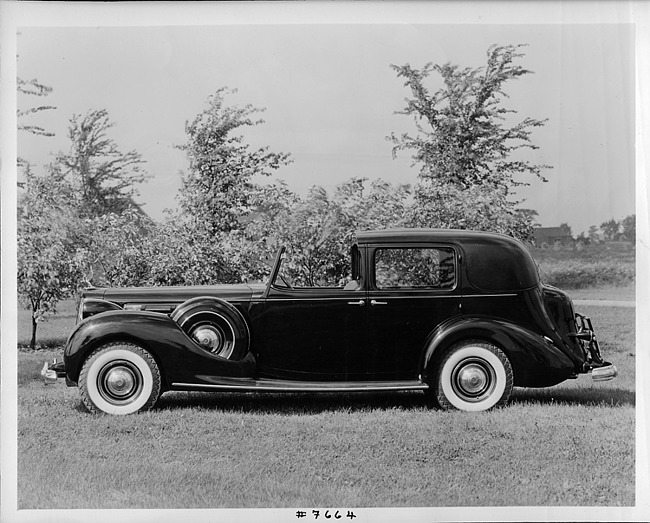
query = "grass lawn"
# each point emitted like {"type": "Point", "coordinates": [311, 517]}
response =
{"type": "Point", "coordinates": [569, 445]}
{"type": "Point", "coordinates": [52, 332]}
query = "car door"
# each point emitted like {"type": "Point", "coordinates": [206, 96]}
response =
{"type": "Point", "coordinates": [313, 333]}
{"type": "Point", "coordinates": [412, 289]}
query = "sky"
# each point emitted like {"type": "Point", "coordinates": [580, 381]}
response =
{"type": "Point", "coordinates": [330, 98]}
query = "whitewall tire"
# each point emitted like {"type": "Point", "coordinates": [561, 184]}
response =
{"type": "Point", "coordinates": [473, 376]}
{"type": "Point", "coordinates": [119, 378]}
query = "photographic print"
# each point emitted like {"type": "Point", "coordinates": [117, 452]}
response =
{"type": "Point", "coordinates": [355, 261]}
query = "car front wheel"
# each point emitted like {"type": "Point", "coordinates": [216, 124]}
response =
{"type": "Point", "coordinates": [473, 376]}
{"type": "Point", "coordinates": [119, 378]}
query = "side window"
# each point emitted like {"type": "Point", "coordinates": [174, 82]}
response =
{"type": "Point", "coordinates": [415, 268]}
{"type": "Point", "coordinates": [313, 269]}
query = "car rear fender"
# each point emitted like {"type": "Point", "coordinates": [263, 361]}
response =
{"type": "Point", "coordinates": [179, 358]}
{"type": "Point", "coordinates": [535, 360]}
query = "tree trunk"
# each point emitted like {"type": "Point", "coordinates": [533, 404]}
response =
{"type": "Point", "coordinates": [32, 344]}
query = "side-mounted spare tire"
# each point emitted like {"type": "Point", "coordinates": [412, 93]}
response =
{"type": "Point", "coordinates": [473, 376]}
{"type": "Point", "coordinates": [215, 325]}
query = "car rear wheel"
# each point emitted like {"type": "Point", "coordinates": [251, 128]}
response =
{"type": "Point", "coordinates": [119, 378]}
{"type": "Point", "coordinates": [473, 376]}
{"type": "Point", "coordinates": [214, 325]}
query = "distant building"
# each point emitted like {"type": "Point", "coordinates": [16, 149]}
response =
{"type": "Point", "coordinates": [549, 236]}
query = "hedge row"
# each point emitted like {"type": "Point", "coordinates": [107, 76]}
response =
{"type": "Point", "coordinates": [580, 275]}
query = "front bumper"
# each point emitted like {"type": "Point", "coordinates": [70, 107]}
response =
{"type": "Point", "coordinates": [51, 371]}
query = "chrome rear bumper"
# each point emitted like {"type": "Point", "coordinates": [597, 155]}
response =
{"type": "Point", "coordinates": [604, 373]}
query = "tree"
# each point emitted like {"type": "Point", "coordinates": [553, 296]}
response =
{"type": "Point", "coordinates": [610, 229]}
{"type": "Point", "coordinates": [566, 228]}
{"type": "Point", "coordinates": [252, 247]}
{"type": "Point", "coordinates": [380, 206]}
{"type": "Point", "coordinates": [33, 88]}
{"type": "Point", "coordinates": [218, 189]}
{"type": "Point", "coordinates": [133, 250]}
{"type": "Point", "coordinates": [528, 216]}
{"type": "Point", "coordinates": [317, 230]}
{"type": "Point", "coordinates": [463, 140]}
{"type": "Point", "coordinates": [582, 239]}
{"type": "Point", "coordinates": [104, 176]}
{"type": "Point", "coordinates": [481, 209]}
{"type": "Point", "coordinates": [51, 265]}
{"type": "Point", "coordinates": [628, 224]}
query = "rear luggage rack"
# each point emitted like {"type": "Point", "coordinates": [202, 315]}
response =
{"type": "Point", "coordinates": [600, 370]}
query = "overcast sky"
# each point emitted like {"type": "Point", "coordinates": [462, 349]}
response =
{"type": "Point", "coordinates": [330, 98]}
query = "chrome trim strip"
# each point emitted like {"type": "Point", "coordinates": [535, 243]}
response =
{"type": "Point", "coordinates": [386, 295]}
{"type": "Point", "coordinates": [255, 386]}
{"type": "Point", "coordinates": [382, 296]}
{"type": "Point", "coordinates": [488, 295]}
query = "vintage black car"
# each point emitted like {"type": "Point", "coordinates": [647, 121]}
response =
{"type": "Point", "coordinates": [460, 315]}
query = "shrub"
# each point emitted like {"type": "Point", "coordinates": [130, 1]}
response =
{"type": "Point", "coordinates": [577, 274]}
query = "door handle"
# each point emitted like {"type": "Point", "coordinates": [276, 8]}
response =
{"type": "Point", "coordinates": [359, 303]}
{"type": "Point", "coordinates": [375, 302]}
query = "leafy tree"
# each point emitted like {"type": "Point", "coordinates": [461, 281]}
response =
{"type": "Point", "coordinates": [317, 229]}
{"type": "Point", "coordinates": [480, 209]}
{"type": "Point", "coordinates": [104, 176]}
{"type": "Point", "coordinates": [527, 216]}
{"type": "Point", "coordinates": [380, 206]}
{"type": "Point", "coordinates": [628, 224]}
{"type": "Point", "coordinates": [314, 240]}
{"type": "Point", "coordinates": [253, 247]}
{"type": "Point", "coordinates": [463, 140]}
{"type": "Point", "coordinates": [33, 88]}
{"type": "Point", "coordinates": [51, 265]}
{"type": "Point", "coordinates": [610, 229]}
{"type": "Point", "coordinates": [133, 250]}
{"type": "Point", "coordinates": [582, 239]}
{"type": "Point", "coordinates": [593, 234]}
{"type": "Point", "coordinates": [218, 190]}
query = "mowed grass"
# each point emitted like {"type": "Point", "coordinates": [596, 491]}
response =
{"type": "Point", "coordinates": [569, 445]}
{"type": "Point", "coordinates": [50, 333]}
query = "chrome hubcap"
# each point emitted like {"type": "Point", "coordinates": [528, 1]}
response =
{"type": "Point", "coordinates": [473, 380]}
{"type": "Point", "coordinates": [120, 383]}
{"type": "Point", "coordinates": [210, 337]}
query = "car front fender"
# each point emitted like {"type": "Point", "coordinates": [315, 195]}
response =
{"type": "Point", "coordinates": [535, 360]}
{"type": "Point", "coordinates": [178, 357]}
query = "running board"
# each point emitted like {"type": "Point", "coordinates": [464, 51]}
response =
{"type": "Point", "coordinates": [270, 385]}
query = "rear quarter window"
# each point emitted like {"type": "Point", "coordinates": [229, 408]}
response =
{"type": "Point", "coordinates": [415, 268]}
{"type": "Point", "coordinates": [500, 265]}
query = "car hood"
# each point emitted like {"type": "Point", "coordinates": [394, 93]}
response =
{"type": "Point", "coordinates": [133, 295]}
